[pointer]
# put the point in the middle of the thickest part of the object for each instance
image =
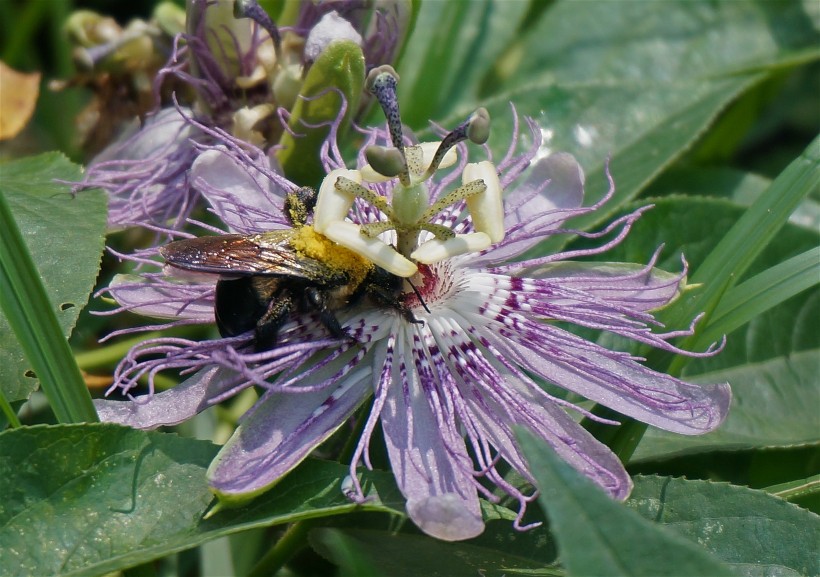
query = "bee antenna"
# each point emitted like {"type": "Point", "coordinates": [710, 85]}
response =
{"type": "Point", "coordinates": [418, 294]}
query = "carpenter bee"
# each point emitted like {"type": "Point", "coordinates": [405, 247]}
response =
{"type": "Point", "coordinates": [265, 277]}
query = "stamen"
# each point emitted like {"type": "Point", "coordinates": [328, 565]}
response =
{"type": "Point", "coordinates": [333, 204]}
{"type": "Point", "coordinates": [374, 229]}
{"type": "Point", "coordinates": [377, 251]}
{"type": "Point", "coordinates": [352, 187]}
{"type": "Point", "coordinates": [476, 129]}
{"type": "Point", "coordinates": [436, 250]}
{"type": "Point", "coordinates": [382, 82]}
{"type": "Point", "coordinates": [464, 191]}
{"type": "Point", "coordinates": [251, 9]}
{"type": "Point", "coordinates": [442, 232]}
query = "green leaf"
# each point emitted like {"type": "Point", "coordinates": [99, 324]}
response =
{"type": "Point", "coordinates": [624, 42]}
{"type": "Point", "coordinates": [598, 536]}
{"type": "Point", "coordinates": [763, 292]}
{"type": "Point", "coordinates": [637, 83]}
{"type": "Point", "coordinates": [753, 531]}
{"type": "Point", "coordinates": [798, 489]}
{"type": "Point", "coordinates": [339, 69]}
{"type": "Point", "coordinates": [451, 47]}
{"type": "Point", "coordinates": [744, 188]}
{"type": "Point", "coordinates": [639, 130]}
{"type": "Point", "coordinates": [692, 226]}
{"type": "Point", "coordinates": [91, 499]}
{"type": "Point", "coordinates": [345, 552]}
{"type": "Point", "coordinates": [499, 551]}
{"type": "Point", "coordinates": [744, 242]}
{"type": "Point", "coordinates": [774, 404]}
{"type": "Point", "coordinates": [64, 235]}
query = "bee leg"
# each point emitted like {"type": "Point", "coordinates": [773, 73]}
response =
{"type": "Point", "coordinates": [268, 325]}
{"type": "Point", "coordinates": [317, 301]}
{"type": "Point", "coordinates": [299, 204]}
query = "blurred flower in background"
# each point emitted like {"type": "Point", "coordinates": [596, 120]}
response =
{"type": "Point", "coordinates": [229, 65]}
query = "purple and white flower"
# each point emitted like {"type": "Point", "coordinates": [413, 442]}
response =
{"type": "Point", "coordinates": [448, 391]}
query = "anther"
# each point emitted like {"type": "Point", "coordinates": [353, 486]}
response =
{"type": "Point", "coordinates": [386, 161]}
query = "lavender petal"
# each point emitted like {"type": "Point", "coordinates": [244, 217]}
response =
{"type": "Point", "coordinates": [281, 430]}
{"type": "Point", "coordinates": [441, 495]}
{"type": "Point", "coordinates": [240, 195]}
{"type": "Point", "coordinates": [169, 407]}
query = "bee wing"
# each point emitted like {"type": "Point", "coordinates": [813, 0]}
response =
{"type": "Point", "coordinates": [268, 253]}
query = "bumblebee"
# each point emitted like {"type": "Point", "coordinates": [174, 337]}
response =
{"type": "Point", "coordinates": [267, 276]}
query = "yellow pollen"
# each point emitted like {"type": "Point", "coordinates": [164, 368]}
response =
{"type": "Point", "coordinates": [308, 242]}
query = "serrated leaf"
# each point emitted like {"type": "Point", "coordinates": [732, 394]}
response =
{"type": "Point", "coordinates": [774, 404]}
{"type": "Point", "coordinates": [598, 536]}
{"type": "Point", "coordinates": [91, 499]}
{"type": "Point", "coordinates": [64, 235]}
{"type": "Point", "coordinates": [753, 531]}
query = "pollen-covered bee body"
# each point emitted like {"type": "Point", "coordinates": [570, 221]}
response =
{"type": "Point", "coordinates": [265, 277]}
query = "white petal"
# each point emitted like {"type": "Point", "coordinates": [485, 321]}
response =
{"type": "Point", "coordinates": [436, 250]}
{"type": "Point", "coordinates": [379, 252]}
{"type": "Point", "coordinates": [332, 205]}
{"type": "Point", "coordinates": [486, 208]}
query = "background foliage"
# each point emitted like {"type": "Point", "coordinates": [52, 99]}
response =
{"type": "Point", "coordinates": [708, 110]}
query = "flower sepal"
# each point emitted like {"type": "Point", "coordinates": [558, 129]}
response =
{"type": "Point", "coordinates": [333, 87]}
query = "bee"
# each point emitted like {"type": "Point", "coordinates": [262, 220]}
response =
{"type": "Point", "coordinates": [266, 277]}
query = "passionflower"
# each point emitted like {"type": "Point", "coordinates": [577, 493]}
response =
{"type": "Point", "coordinates": [451, 380]}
